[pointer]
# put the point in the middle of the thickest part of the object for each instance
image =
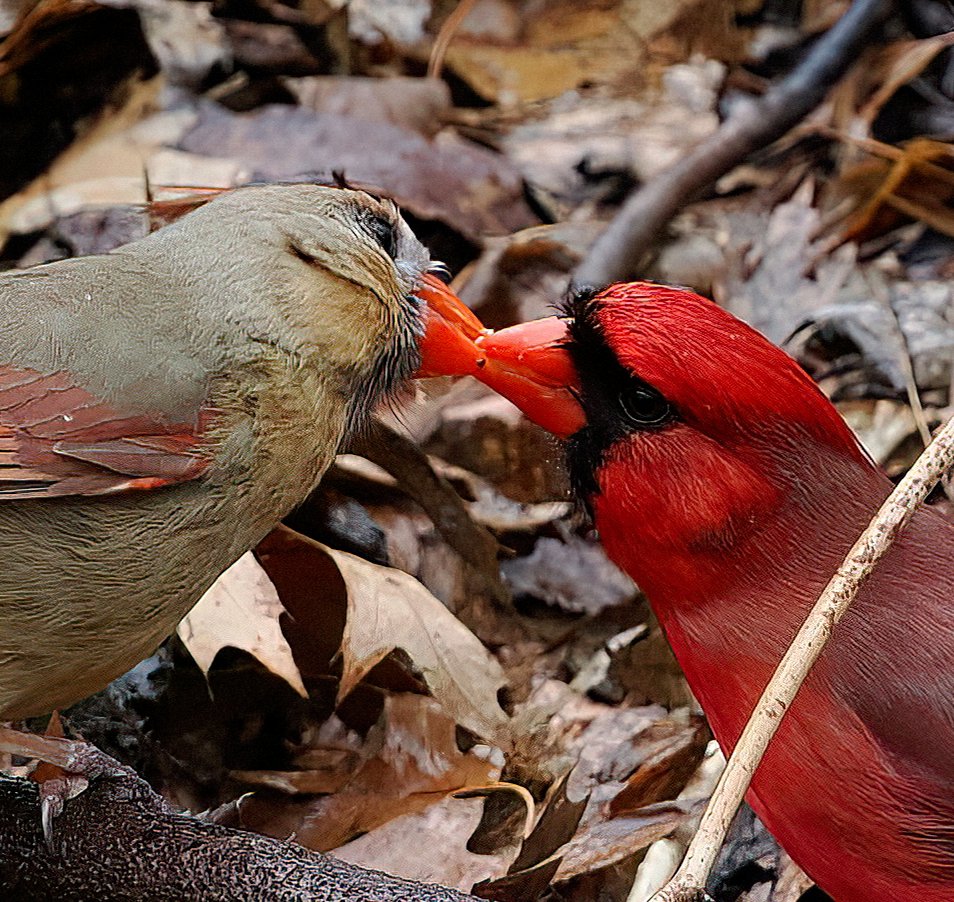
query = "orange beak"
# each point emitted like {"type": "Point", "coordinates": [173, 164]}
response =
{"type": "Point", "coordinates": [528, 364]}
{"type": "Point", "coordinates": [449, 346]}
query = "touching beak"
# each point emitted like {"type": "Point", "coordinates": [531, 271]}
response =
{"type": "Point", "coordinates": [528, 364]}
{"type": "Point", "coordinates": [449, 346]}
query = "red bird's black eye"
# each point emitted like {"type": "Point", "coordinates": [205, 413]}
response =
{"type": "Point", "coordinates": [644, 407]}
{"type": "Point", "coordinates": [617, 403]}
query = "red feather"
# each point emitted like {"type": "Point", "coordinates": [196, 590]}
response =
{"type": "Point", "coordinates": [732, 520]}
{"type": "Point", "coordinates": [57, 438]}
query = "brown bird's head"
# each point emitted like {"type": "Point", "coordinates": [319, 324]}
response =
{"type": "Point", "coordinates": [284, 311]}
{"type": "Point", "coordinates": [339, 269]}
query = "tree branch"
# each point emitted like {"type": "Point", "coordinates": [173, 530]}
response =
{"type": "Point", "coordinates": [118, 840]}
{"type": "Point", "coordinates": [618, 252]}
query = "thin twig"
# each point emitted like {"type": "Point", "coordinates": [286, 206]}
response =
{"type": "Point", "coordinates": [753, 125]}
{"type": "Point", "coordinates": [436, 63]}
{"type": "Point", "coordinates": [905, 361]}
{"type": "Point", "coordinates": [689, 882]}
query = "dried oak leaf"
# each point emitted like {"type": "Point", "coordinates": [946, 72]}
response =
{"type": "Point", "coordinates": [241, 610]}
{"type": "Point", "coordinates": [388, 610]}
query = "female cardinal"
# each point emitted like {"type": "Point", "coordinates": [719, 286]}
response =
{"type": "Point", "coordinates": [724, 482]}
{"type": "Point", "coordinates": [163, 406]}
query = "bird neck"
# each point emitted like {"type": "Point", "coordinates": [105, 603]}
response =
{"type": "Point", "coordinates": [730, 546]}
{"type": "Point", "coordinates": [732, 557]}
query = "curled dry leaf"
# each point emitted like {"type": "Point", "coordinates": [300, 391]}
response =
{"type": "Point", "coordinates": [605, 843]}
{"type": "Point", "coordinates": [387, 610]}
{"type": "Point", "coordinates": [410, 761]}
{"type": "Point", "coordinates": [670, 761]}
{"type": "Point", "coordinates": [241, 610]}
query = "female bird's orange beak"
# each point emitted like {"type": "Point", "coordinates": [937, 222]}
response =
{"type": "Point", "coordinates": [528, 364]}
{"type": "Point", "coordinates": [449, 346]}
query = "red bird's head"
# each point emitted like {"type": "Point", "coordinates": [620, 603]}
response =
{"type": "Point", "coordinates": [696, 426]}
{"type": "Point", "coordinates": [685, 426]}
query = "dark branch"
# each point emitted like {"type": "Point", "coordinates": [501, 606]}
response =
{"type": "Point", "coordinates": [118, 840]}
{"type": "Point", "coordinates": [619, 251]}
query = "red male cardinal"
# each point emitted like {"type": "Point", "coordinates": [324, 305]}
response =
{"type": "Point", "coordinates": [163, 406]}
{"type": "Point", "coordinates": [724, 482]}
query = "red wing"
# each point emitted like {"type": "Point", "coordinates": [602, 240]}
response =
{"type": "Point", "coordinates": [58, 439]}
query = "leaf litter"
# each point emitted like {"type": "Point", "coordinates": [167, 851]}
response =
{"type": "Point", "coordinates": [437, 637]}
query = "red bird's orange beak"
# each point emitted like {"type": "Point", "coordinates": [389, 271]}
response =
{"type": "Point", "coordinates": [527, 364]}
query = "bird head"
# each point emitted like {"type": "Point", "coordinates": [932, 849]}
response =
{"type": "Point", "coordinates": [684, 425]}
{"type": "Point", "coordinates": [325, 277]}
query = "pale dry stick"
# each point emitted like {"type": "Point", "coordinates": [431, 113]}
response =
{"type": "Point", "coordinates": [444, 36]}
{"type": "Point", "coordinates": [688, 884]}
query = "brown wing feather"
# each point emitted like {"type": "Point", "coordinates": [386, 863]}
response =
{"type": "Point", "coordinates": [59, 439]}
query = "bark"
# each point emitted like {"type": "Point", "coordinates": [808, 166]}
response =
{"type": "Point", "coordinates": [118, 840]}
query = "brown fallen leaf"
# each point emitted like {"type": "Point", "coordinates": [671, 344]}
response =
{"type": "Point", "coordinates": [490, 437]}
{"type": "Point", "coordinates": [669, 764]}
{"type": "Point", "coordinates": [241, 610]}
{"type": "Point", "coordinates": [493, 509]}
{"type": "Point", "coordinates": [430, 845]}
{"type": "Point", "coordinates": [467, 187]}
{"type": "Point", "coordinates": [538, 859]}
{"type": "Point", "coordinates": [326, 763]}
{"type": "Point", "coordinates": [387, 610]}
{"type": "Point", "coordinates": [416, 103]}
{"type": "Point", "coordinates": [410, 760]}
{"type": "Point", "coordinates": [540, 51]}
{"type": "Point", "coordinates": [895, 185]}
{"type": "Point", "coordinates": [605, 843]}
{"type": "Point", "coordinates": [574, 575]}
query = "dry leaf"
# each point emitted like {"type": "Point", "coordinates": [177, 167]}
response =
{"type": "Point", "coordinates": [387, 610]}
{"type": "Point", "coordinates": [410, 761]}
{"type": "Point", "coordinates": [604, 843]}
{"type": "Point", "coordinates": [467, 187]}
{"type": "Point", "coordinates": [666, 768]}
{"type": "Point", "coordinates": [430, 845]}
{"type": "Point", "coordinates": [555, 47]}
{"type": "Point", "coordinates": [416, 103]}
{"type": "Point", "coordinates": [915, 181]}
{"type": "Point", "coordinates": [241, 610]}
{"type": "Point", "coordinates": [575, 576]}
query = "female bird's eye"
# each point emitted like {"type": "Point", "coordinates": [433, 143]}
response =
{"type": "Point", "coordinates": [385, 234]}
{"type": "Point", "coordinates": [643, 406]}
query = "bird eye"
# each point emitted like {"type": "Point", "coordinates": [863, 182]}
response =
{"type": "Point", "coordinates": [383, 231]}
{"type": "Point", "coordinates": [644, 406]}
